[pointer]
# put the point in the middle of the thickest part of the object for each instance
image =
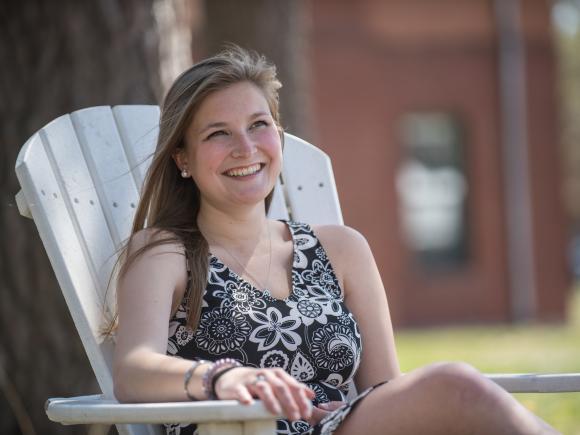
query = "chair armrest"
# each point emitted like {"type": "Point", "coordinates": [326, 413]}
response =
{"type": "Point", "coordinates": [98, 410]}
{"type": "Point", "coordinates": [537, 383]}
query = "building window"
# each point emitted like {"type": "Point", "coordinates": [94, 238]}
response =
{"type": "Point", "coordinates": [432, 188]}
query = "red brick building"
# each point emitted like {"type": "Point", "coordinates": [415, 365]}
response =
{"type": "Point", "coordinates": [441, 121]}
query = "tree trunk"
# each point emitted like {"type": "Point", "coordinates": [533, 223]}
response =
{"type": "Point", "coordinates": [56, 58]}
{"type": "Point", "coordinates": [276, 28]}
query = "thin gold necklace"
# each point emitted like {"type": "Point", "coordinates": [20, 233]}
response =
{"type": "Point", "coordinates": [244, 270]}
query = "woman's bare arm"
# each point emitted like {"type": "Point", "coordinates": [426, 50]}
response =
{"type": "Point", "coordinates": [141, 369]}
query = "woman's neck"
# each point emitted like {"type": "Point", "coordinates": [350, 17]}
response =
{"type": "Point", "coordinates": [241, 229]}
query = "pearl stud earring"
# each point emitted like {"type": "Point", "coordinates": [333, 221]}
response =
{"type": "Point", "coordinates": [184, 173]}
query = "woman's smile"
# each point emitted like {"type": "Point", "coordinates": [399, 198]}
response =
{"type": "Point", "coordinates": [245, 172]}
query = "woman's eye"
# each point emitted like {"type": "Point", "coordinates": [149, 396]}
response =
{"type": "Point", "coordinates": [260, 123]}
{"type": "Point", "coordinates": [215, 134]}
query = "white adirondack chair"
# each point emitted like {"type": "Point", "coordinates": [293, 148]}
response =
{"type": "Point", "coordinates": [80, 177]}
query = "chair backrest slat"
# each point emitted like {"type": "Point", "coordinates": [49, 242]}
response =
{"type": "Point", "coordinates": [51, 179]}
{"type": "Point", "coordinates": [309, 183]}
{"type": "Point", "coordinates": [105, 156]}
{"type": "Point", "coordinates": [138, 128]}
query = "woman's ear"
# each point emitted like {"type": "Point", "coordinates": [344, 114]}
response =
{"type": "Point", "coordinates": [180, 159]}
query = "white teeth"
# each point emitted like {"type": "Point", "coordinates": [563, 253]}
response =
{"type": "Point", "coordinates": [244, 171]}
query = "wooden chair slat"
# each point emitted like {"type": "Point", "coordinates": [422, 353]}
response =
{"type": "Point", "coordinates": [138, 128]}
{"type": "Point", "coordinates": [309, 184]}
{"type": "Point", "coordinates": [47, 195]}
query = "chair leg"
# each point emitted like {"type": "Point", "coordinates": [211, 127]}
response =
{"type": "Point", "coordinates": [256, 427]}
{"type": "Point", "coordinates": [220, 428]}
{"type": "Point", "coordinates": [260, 427]}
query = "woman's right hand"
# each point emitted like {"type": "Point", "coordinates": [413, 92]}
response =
{"type": "Point", "coordinates": [280, 392]}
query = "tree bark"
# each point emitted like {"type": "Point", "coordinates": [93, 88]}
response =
{"type": "Point", "coordinates": [56, 58]}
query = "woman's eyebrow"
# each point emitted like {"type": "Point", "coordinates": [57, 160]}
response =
{"type": "Point", "coordinates": [224, 124]}
{"type": "Point", "coordinates": [213, 125]}
{"type": "Point", "coordinates": [257, 114]}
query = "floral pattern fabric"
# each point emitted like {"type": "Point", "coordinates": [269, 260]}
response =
{"type": "Point", "coordinates": [311, 334]}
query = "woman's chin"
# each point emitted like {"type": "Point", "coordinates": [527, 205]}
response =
{"type": "Point", "coordinates": [249, 199]}
{"type": "Point", "coordinates": [251, 195]}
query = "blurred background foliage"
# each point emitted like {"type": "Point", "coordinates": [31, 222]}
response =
{"type": "Point", "coordinates": [64, 55]}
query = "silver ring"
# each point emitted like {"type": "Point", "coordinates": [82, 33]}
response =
{"type": "Point", "coordinates": [258, 379]}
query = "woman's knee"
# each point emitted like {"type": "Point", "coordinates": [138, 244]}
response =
{"type": "Point", "coordinates": [455, 382]}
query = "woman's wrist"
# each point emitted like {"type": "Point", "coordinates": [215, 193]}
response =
{"type": "Point", "coordinates": [187, 378]}
{"type": "Point", "coordinates": [218, 376]}
{"type": "Point", "coordinates": [216, 368]}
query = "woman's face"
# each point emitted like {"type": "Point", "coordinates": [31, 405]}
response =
{"type": "Point", "coordinates": [233, 149]}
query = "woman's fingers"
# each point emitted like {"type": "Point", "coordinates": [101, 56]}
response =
{"type": "Point", "coordinates": [280, 389]}
{"type": "Point", "coordinates": [317, 415]}
{"type": "Point", "coordinates": [322, 410]}
{"type": "Point", "coordinates": [262, 389]}
{"type": "Point", "coordinates": [331, 406]}
{"type": "Point", "coordinates": [244, 396]}
{"type": "Point", "coordinates": [301, 394]}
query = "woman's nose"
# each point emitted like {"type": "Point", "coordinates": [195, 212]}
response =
{"type": "Point", "coordinates": [244, 146]}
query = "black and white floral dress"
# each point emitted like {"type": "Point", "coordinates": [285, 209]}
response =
{"type": "Point", "coordinates": [311, 334]}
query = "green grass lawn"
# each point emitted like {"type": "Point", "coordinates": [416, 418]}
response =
{"type": "Point", "coordinates": [508, 349]}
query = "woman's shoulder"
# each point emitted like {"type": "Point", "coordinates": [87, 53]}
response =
{"type": "Point", "coordinates": [155, 251]}
{"type": "Point", "coordinates": [154, 241]}
{"type": "Point", "coordinates": [340, 237]}
{"type": "Point", "coordinates": [155, 259]}
{"type": "Point", "coordinates": [344, 247]}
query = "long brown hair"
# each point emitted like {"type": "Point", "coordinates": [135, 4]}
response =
{"type": "Point", "coordinates": [170, 204]}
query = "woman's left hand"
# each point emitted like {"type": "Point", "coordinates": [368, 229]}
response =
{"type": "Point", "coordinates": [322, 410]}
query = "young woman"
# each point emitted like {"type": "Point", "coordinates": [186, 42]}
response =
{"type": "Point", "coordinates": [270, 310]}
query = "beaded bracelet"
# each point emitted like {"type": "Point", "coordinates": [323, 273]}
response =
{"type": "Point", "coordinates": [219, 365]}
{"type": "Point", "coordinates": [187, 378]}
